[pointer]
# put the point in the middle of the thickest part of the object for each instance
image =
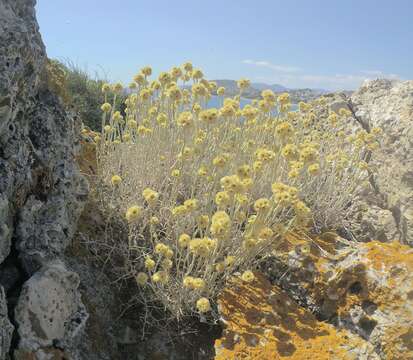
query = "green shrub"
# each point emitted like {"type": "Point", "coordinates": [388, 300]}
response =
{"type": "Point", "coordinates": [78, 89]}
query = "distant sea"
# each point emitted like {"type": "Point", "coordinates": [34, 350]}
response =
{"type": "Point", "coordinates": [216, 102]}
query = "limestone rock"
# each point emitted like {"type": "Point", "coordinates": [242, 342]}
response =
{"type": "Point", "coordinates": [50, 312]}
{"type": "Point", "coordinates": [376, 223]}
{"type": "Point", "coordinates": [37, 142]}
{"type": "Point", "coordinates": [41, 189]}
{"type": "Point", "coordinates": [389, 105]}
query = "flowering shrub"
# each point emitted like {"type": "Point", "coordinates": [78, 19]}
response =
{"type": "Point", "coordinates": [207, 192]}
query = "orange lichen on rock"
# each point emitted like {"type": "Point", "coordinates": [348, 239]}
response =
{"type": "Point", "coordinates": [367, 287]}
{"type": "Point", "coordinates": [262, 322]}
{"type": "Point", "coordinates": [383, 256]}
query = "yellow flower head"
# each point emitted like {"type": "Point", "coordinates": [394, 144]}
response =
{"type": "Point", "coordinates": [139, 79]}
{"type": "Point", "coordinates": [118, 87]}
{"type": "Point", "coordinates": [188, 282]}
{"type": "Point", "coordinates": [106, 107]}
{"type": "Point", "coordinates": [187, 66]}
{"type": "Point", "coordinates": [191, 204]}
{"type": "Point", "coordinates": [202, 246]}
{"type": "Point", "coordinates": [150, 264]}
{"type": "Point", "coordinates": [290, 151]}
{"type": "Point", "coordinates": [229, 261]}
{"type": "Point", "coordinates": [377, 131]}
{"type": "Point", "coordinates": [264, 154]}
{"type": "Point", "coordinates": [105, 88]}
{"type": "Point", "coordinates": [183, 240]}
{"type": "Point", "coordinates": [150, 196]}
{"type": "Point", "coordinates": [176, 72]}
{"type": "Point", "coordinates": [203, 171]}
{"type": "Point", "coordinates": [141, 279]}
{"type": "Point", "coordinates": [147, 71]}
{"type": "Point", "coordinates": [219, 161]}
{"type": "Point", "coordinates": [198, 284]}
{"type": "Point", "coordinates": [262, 205]}
{"type": "Point", "coordinates": [244, 171]}
{"type": "Point", "coordinates": [185, 119]}
{"type": "Point", "coordinates": [249, 243]}
{"type": "Point", "coordinates": [248, 276]}
{"type": "Point", "coordinates": [176, 173]}
{"type": "Point", "coordinates": [203, 305]}
{"type": "Point", "coordinates": [221, 91]}
{"type": "Point", "coordinates": [203, 221]}
{"type": "Point", "coordinates": [222, 198]}
{"type": "Point", "coordinates": [133, 213]}
{"type": "Point", "coordinates": [232, 184]}
{"type": "Point", "coordinates": [284, 129]}
{"type": "Point", "coordinates": [179, 210]}
{"type": "Point", "coordinates": [164, 78]}
{"type": "Point", "coordinates": [160, 277]}
{"type": "Point", "coordinates": [268, 95]}
{"type": "Point", "coordinates": [243, 83]}
{"type": "Point", "coordinates": [161, 249]}
{"type": "Point", "coordinates": [155, 85]}
{"type": "Point", "coordinates": [257, 166]}
{"type": "Point", "coordinates": [197, 74]}
{"type": "Point", "coordinates": [313, 169]}
{"type": "Point", "coordinates": [116, 180]}
{"type": "Point", "coordinates": [220, 224]}
{"type": "Point", "coordinates": [166, 264]}
{"type": "Point", "coordinates": [301, 209]}
{"type": "Point", "coordinates": [265, 233]}
{"type": "Point", "coordinates": [220, 267]}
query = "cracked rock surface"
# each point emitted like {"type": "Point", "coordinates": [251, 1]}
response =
{"type": "Point", "coordinates": [41, 191]}
{"type": "Point", "coordinates": [386, 214]}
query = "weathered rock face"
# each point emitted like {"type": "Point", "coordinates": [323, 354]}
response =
{"type": "Point", "coordinates": [389, 105]}
{"type": "Point", "coordinates": [49, 309]}
{"type": "Point", "coordinates": [41, 189]}
{"type": "Point", "coordinates": [386, 213]}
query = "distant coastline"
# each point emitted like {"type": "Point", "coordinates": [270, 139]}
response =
{"type": "Point", "coordinates": [254, 91]}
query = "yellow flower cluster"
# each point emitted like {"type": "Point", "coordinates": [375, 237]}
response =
{"type": "Point", "coordinates": [205, 191]}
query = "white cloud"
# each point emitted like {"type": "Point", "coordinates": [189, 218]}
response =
{"type": "Point", "coordinates": [267, 64]}
{"type": "Point", "coordinates": [295, 77]}
{"type": "Point", "coordinates": [372, 72]}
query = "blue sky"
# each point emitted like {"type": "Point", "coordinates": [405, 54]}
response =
{"type": "Point", "coordinates": [332, 44]}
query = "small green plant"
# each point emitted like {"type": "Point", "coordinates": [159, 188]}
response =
{"type": "Point", "coordinates": [78, 90]}
{"type": "Point", "coordinates": [206, 193]}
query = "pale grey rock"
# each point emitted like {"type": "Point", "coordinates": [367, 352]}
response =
{"type": "Point", "coordinates": [338, 104]}
{"type": "Point", "coordinates": [37, 142]}
{"type": "Point", "coordinates": [49, 311]}
{"type": "Point", "coordinates": [376, 223]}
{"type": "Point", "coordinates": [389, 105]}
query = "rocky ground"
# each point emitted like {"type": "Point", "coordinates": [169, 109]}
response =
{"type": "Point", "coordinates": [342, 300]}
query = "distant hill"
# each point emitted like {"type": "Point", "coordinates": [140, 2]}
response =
{"type": "Point", "coordinates": [273, 87]}
{"type": "Point", "coordinates": [254, 91]}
